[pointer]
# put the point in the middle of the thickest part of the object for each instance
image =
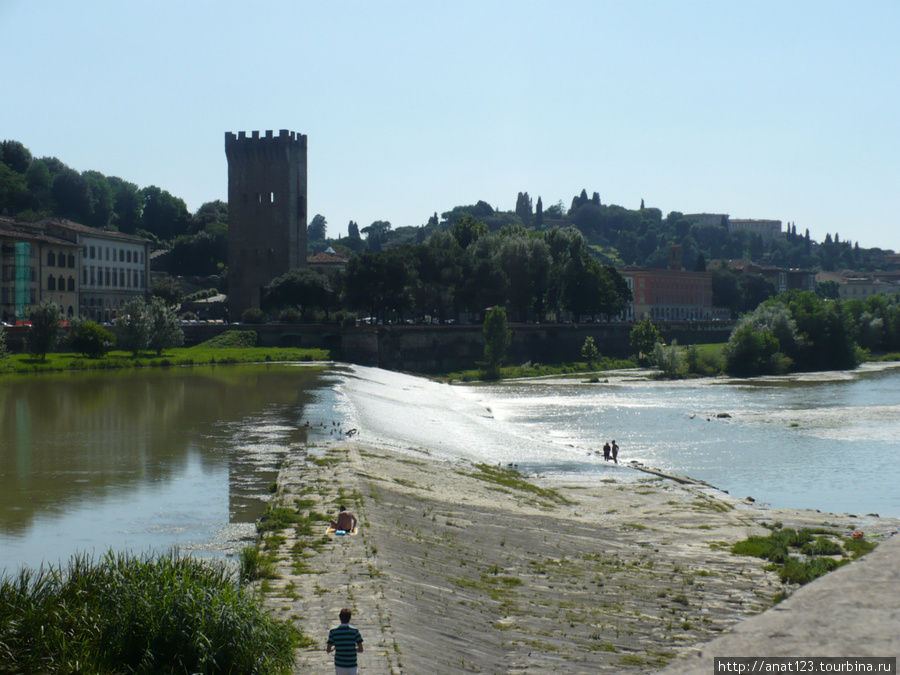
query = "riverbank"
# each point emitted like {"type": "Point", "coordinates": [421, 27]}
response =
{"type": "Point", "coordinates": [461, 568]}
{"type": "Point", "coordinates": [19, 364]}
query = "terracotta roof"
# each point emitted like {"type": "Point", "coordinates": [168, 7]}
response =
{"type": "Point", "coordinates": [84, 229]}
{"type": "Point", "coordinates": [325, 258]}
{"type": "Point", "coordinates": [17, 228]}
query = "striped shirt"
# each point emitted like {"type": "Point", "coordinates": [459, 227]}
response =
{"type": "Point", "coordinates": [344, 638]}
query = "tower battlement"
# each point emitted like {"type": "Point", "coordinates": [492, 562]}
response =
{"type": "Point", "coordinates": [241, 140]}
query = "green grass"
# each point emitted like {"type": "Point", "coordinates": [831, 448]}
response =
{"type": "Point", "coordinates": [779, 546]}
{"type": "Point", "coordinates": [536, 370]}
{"type": "Point", "coordinates": [117, 360]}
{"type": "Point", "coordinates": [123, 614]}
{"type": "Point", "coordinates": [510, 478]}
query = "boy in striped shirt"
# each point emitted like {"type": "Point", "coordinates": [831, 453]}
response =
{"type": "Point", "coordinates": [345, 641]}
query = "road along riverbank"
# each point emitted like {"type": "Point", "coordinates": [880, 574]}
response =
{"type": "Point", "coordinates": [477, 569]}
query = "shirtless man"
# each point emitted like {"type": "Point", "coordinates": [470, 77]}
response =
{"type": "Point", "coordinates": [346, 521]}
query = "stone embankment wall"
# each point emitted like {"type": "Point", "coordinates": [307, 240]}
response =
{"type": "Point", "coordinates": [444, 348]}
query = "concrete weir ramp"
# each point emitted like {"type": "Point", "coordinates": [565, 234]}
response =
{"type": "Point", "coordinates": [851, 612]}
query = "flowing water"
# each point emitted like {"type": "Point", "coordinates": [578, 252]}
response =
{"type": "Point", "coordinates": [183, 457]}
{"type": "Point", "coordinates": [826, 441]}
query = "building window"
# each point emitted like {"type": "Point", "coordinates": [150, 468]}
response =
{"type": "Point", "coordinates": [51, 283]}
{"type": "Point", "coordinates": [107, 276]}
{"type": "Point", "coordinates": [127, 256]}
{"type": "Point", "coordinates": [61, 284]}
{"type": "Point", "coordinates": [51, 259]}
{"type": "Point", "coordinates": [107, 252]}
{"type": "Point", "coordinates": [71, 284]}
{"type": "Point", "coordinates": [93, 253]}
{"type": "Point", "coordinates": [71, 261]}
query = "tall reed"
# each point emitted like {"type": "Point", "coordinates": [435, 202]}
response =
{"type": "Point", "coordinates": [148, 614]}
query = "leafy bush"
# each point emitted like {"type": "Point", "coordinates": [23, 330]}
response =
{"type": "Point", "coordinates": [668, 359]}
{"type": "Point", "coordinates": [703, 362]}
{"type": "Point", "coordinates": [46, 322]}
{"type": "Point", "coordinates": [90, 339]}
{"type": "Point", "coordinates": [167, 614]}
{"type": "Point", "coordinates": [253, 315]}
{"type": "Point", "coordinates": [589, 351]}
{"type": "Point", "coordinates": [290, 315]}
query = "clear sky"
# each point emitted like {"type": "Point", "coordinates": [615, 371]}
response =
{"type": "Point", "coordinates": [772, 109]}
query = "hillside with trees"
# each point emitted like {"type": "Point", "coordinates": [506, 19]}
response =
{"type": "Point", "coordinates": [536, 259]}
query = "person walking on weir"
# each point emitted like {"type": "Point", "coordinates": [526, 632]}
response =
{"type": "Point", "coordinates": [346, 642]}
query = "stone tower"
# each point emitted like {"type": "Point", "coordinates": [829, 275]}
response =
{"type": "Point", "coordinates": [266, 212]}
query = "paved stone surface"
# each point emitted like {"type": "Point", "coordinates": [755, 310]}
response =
{"type": "Point", "coordinates": [853, 611]}
{"type": "Point", "coordinates": [452, 572]}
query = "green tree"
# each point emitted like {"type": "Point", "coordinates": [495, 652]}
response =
{"type": "Point", "coordinates": [167, 289]}
{"type": "Point", "coordinates": [700, 265]}
{"type": "Point", "coordinates": [497, 339]}
{"type": "Point", "coordinates": [129, 205]}
{"type": "Point", "coordinates": [523, 208]}
{"type": "Point", "coordinates": [72, 196]}
{"type": "Point", "coordinates": [46, 323]}
{"type": "Point", "coordinates": [88, 338]}
{"type": "Point", "coordinates": [826, 329]}
{"type": "Point", "coordinates": [306, 288]}
{"type": "Point", "coordinates": [203, 254]}
{"type": "Point", "coordinates": [526, 262]}
{"type": "Point", "coordinates": [133, 326]}
{"type": "Point", "coordinates": [15, 155]}
{"type": "Point", "coordinates": [751, 351]}
{"type": "Point", "coordinates": [163, 215]}
{"type": "Point", "coordinates": [829, 290]}
{"type": "Point", "coordinates": [644, 338]}
{"type": "Point", "coordinates": [376, 234]}
{"type": "Point", "coordinates": [669, 360]}
{"type": "Point", "coordinates": [589, 351]}
{"type": "Point", "coordinates": [467, 230]}
{"type": "Point", "coordinates": [208, 214]}
{"type": "Point", "coordinates": [317, 228]}
{"type": "Point", "coordinates": [165, 328]}
{"type": "Point", "coordinates": [4, 349]}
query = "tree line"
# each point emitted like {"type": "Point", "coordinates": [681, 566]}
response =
{"type": "Point", "coordinates": [32, 188]}
{"type": "Point", "coordinates": [798, 331]}
{"type": "Point", "coordinates": [466, 269]}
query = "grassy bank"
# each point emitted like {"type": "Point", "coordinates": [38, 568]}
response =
{"type": "Point", "coordinates": [230, 347]}
{"type": "Point", "coordinates": [122, 614]}
{"type": "Point", "coordinates": [535, 370]}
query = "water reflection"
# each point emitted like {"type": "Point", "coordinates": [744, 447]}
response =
{"type": "Point", "coordinates": [203, 441]}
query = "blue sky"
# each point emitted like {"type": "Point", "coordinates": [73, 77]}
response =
{"type": "Point", "coordinates": [770, 109]}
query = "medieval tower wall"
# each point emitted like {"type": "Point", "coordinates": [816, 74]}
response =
{"type": "Point", "coordinates": [267, 215]}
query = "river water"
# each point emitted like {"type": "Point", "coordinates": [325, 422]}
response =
{"type": "Point", "coordinates": [826, 441]}
{"type": "Point", "coordinates": [183, 457]}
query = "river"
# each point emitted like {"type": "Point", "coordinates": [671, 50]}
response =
{"type": "Point", "coordinates": [146, 460]}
